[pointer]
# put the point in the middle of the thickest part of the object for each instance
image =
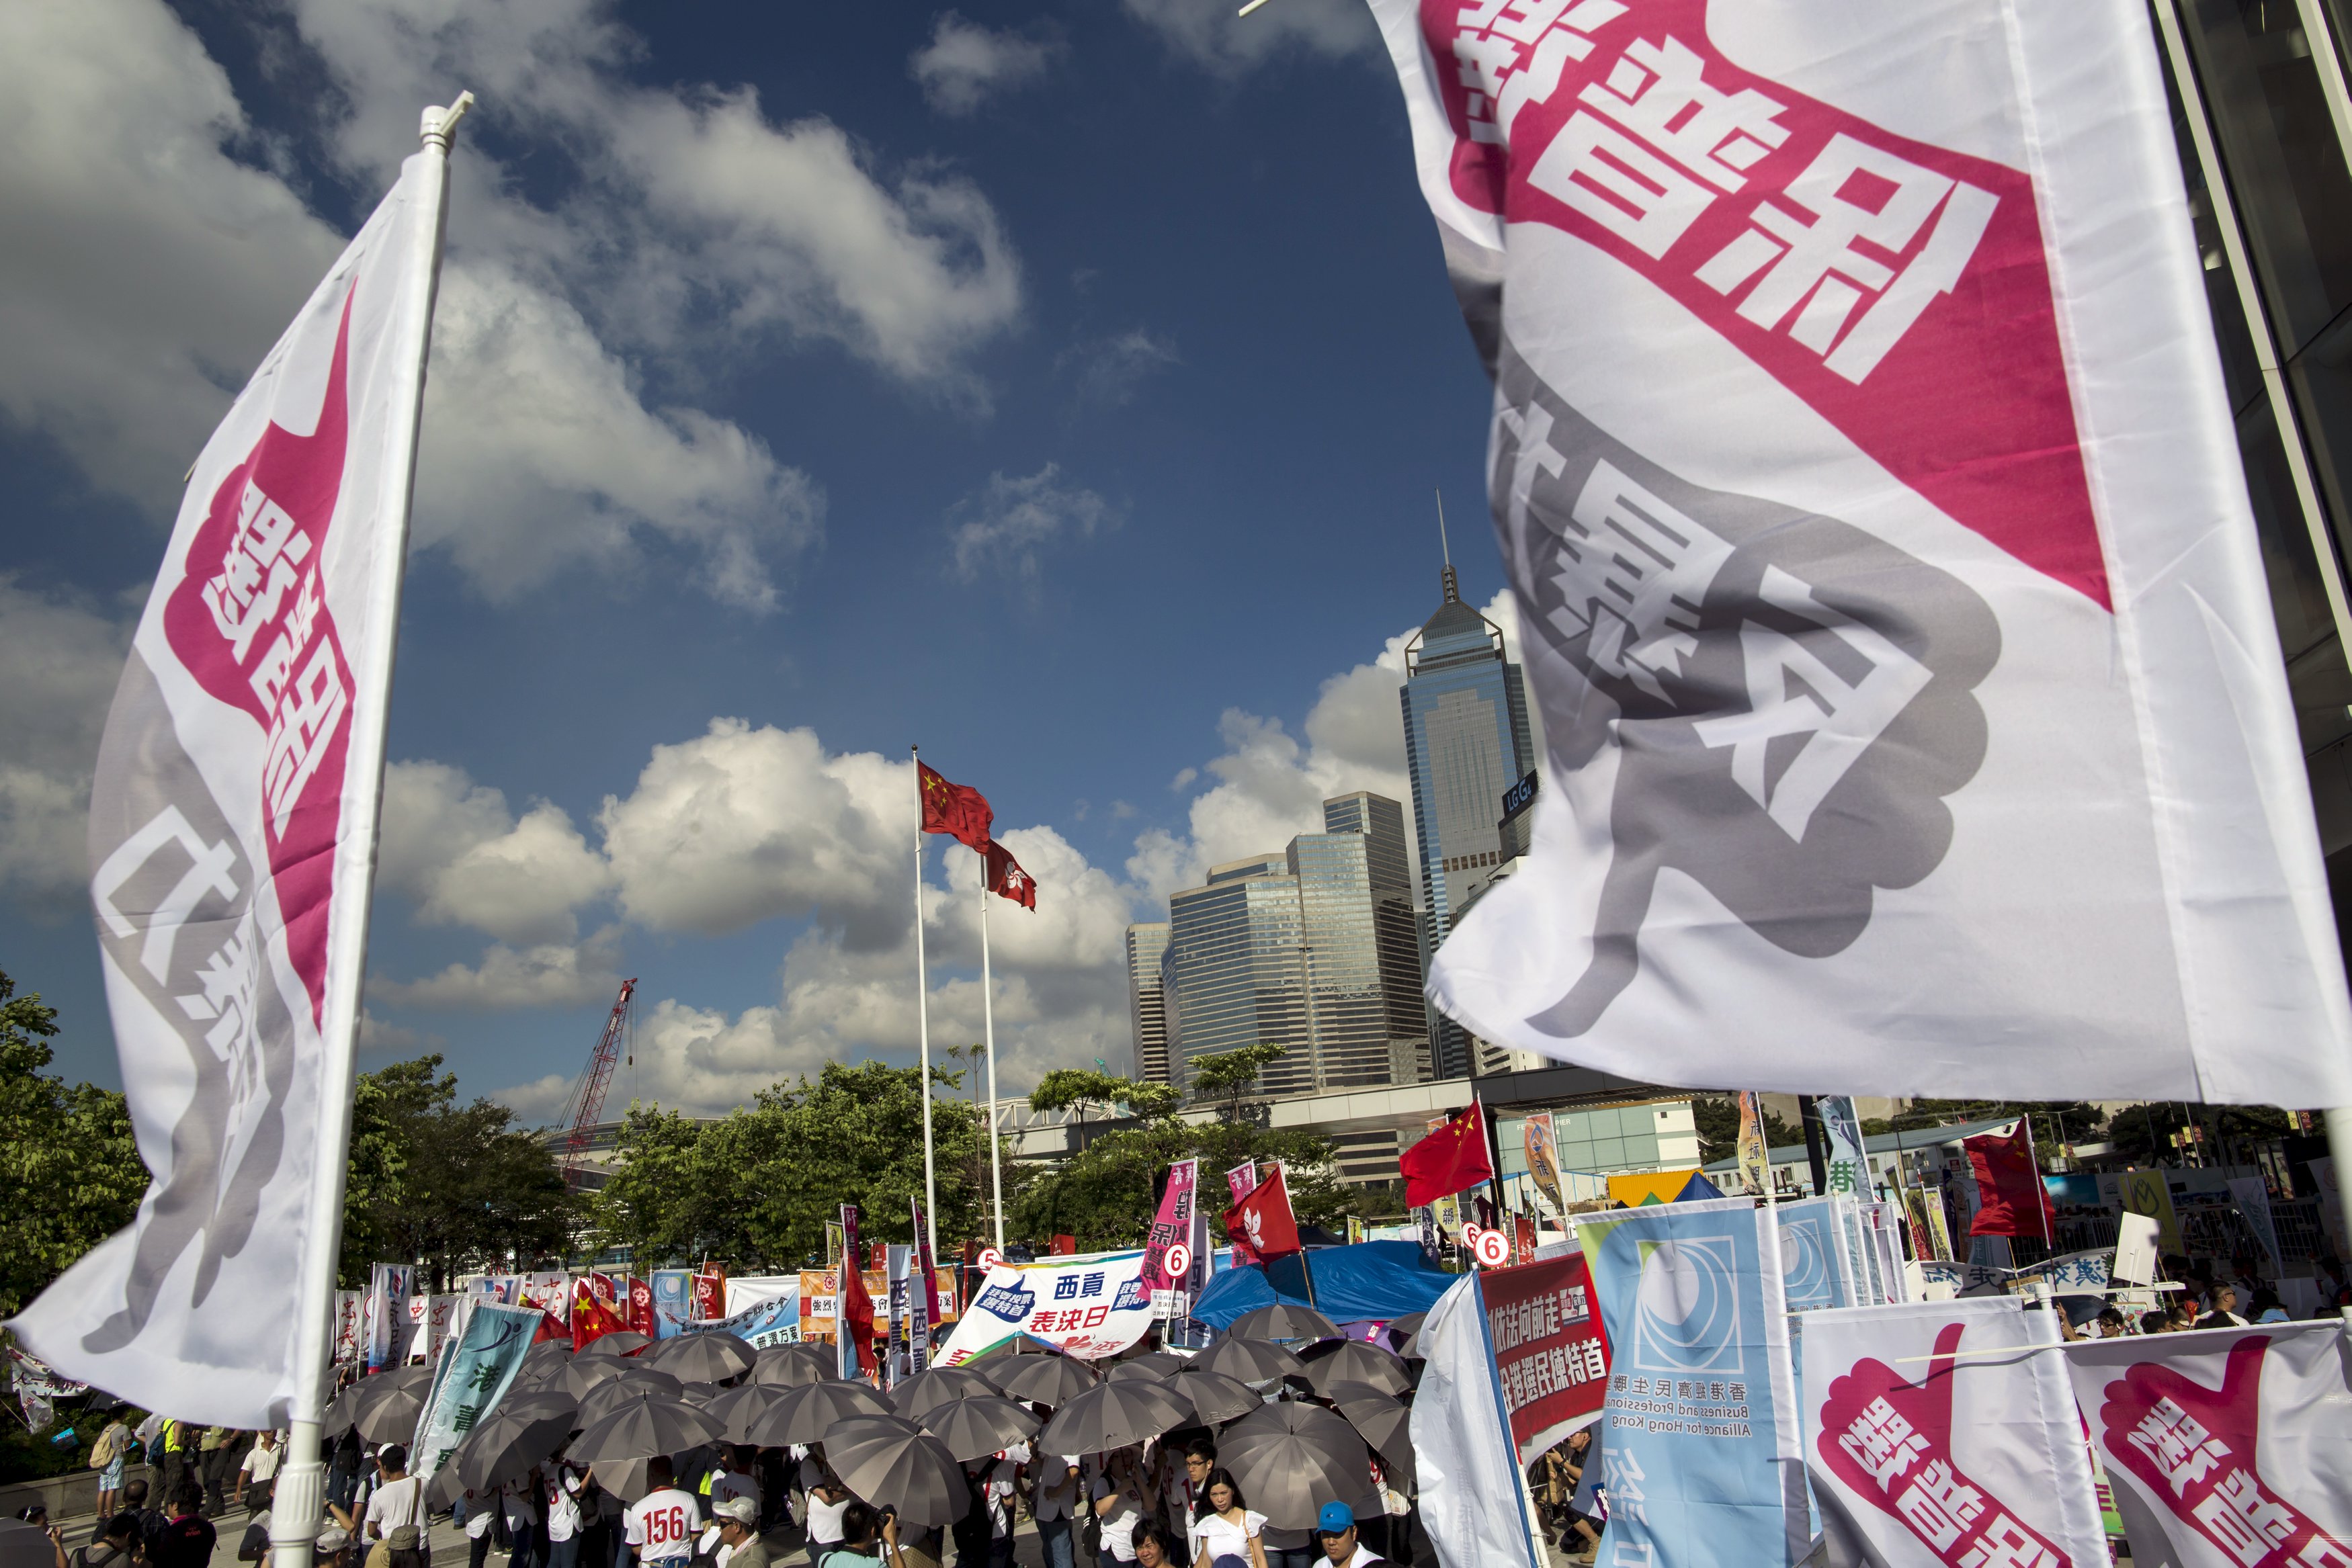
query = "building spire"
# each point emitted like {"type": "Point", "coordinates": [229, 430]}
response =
{"type": "Point", "coordinates": [1452, 588]}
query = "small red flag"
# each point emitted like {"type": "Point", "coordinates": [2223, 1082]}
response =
{"type": "Point", "coordinates": [1007, 880]}
{"type": "Point", "coordinates": [1263, 1221]}
{"type": "Point", "coordinates": [591, 1319]}
{"type": "Point", "coordinates": [1450, 1160]}
{"type": "Point", "coordinates": [954, 809]}
{"type": "Point", "coordinates": [641, 1307]}
{"type": "Point", "coordinates": [2011, 1199]}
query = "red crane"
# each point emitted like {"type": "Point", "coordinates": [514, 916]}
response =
{"type": "Point", "coordinates": [587, 1102]}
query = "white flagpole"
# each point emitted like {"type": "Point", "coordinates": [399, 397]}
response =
{"type": "Point", "coordinates": [923, 1014]}
{"type": "Point", "coordinates": [988, 1014]}
{"type": "Point", "coordinates": [301, 1480]}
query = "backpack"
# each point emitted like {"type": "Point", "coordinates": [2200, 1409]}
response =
{"type": "Point", "coordinates": [103, 1453]}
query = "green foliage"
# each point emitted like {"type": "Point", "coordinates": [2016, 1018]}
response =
{"type": "Point", "coordinates": [1067, 1088]}
{"type": "Point", "coordinates": [1717, 1118]}
{"type": "Point", "coordinates": [67, 1160]}
{"type": "Point", "coordinates": [33, 1456]}
{"type": "Point", "coordinates": [755, 1188]}
{"type": "Point", "coordinates": [1104, 1195]}
{"type": "Point", "coordinates": [1228, 1076]}
{"type": "Point", "coordinates": [448, 1186]}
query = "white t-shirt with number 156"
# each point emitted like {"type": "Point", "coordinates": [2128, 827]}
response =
{"type": "Point", "coordinates": [662, 1527]}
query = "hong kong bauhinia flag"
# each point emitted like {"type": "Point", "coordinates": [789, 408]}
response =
{"type": "Point", "coordinates": [957, 809]}
{"type": "Point", "coordinates": [1884, 561]}
{"type": "Point", "coordinates": [1007, 880]}
{"type": "Point", "coordinates": [232, 840]}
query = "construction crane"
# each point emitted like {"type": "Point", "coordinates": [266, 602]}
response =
{"type": "Point", "coordinates": [587, 1102]}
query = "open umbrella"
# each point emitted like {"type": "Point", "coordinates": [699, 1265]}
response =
{"type": "Point", "coordinates": [804, 1414]}
{"type": "Point", "coordinates": [24, 1546]}
{"type": "Point", "coordinates": [1402, 1331]}
{"type": "Point", "coordinates": [643, 1427]}
{"type": "Point", "coordinates": [977, 1426]}
{"type": "Point", "coordinates": [893, 1463]}
{"type": "Point", "coordinates": [736, 1409]}
{"type": "Point", "coordinates": [582, 1373]}
{"type": "Point", "coordinates": [545, 1352]}
{"type": "Point", "coordinates": [1291, 1457]}
{"type": "Point", "coordinates": [1250, 1360]}
{"type": "Point", "coordinates": [620, 1343]}
{"type": "Point", "coordinates": [1352, 1399]}
{"type": "Point", "coordinates": [506, 1443]}
{"type": "Point", "coordinates": [1215, 1396]}
{"type": "Point", "coordinates": [783, 1365]}
{"type": "Point", "coordinates": [936, 1385]}
{"type": "Point", "coordinates": [388, 1414]}
{"type": "Point", "coordinates": [1282, 1321]}
{"type": "Point", "coordinates": [1114, 1414]}
{"type": "Point", "coordinates": [1352, 1360]}
{"type": "Point", "coordinates": [1040, 1379]}
{"type": "Point", "coordinates": [1142, 1369]}
{"type": "Point", "coordinates": [1389, 1432]}
{"type": "Point", "coordinates": [702, 1357]}
{"type": "Point", "coordinates": [624, 1479]}
{"type": "Point", "coordinates": [615, 1392]}
{"type": "Point", "coordinates": [1159, 1360]}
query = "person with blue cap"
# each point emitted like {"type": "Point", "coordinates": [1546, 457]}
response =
{"type": "Point", "coordinates": [1335, 1531]}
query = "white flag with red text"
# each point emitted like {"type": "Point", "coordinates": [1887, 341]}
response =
{"type": "Point", "coordinates": [1884, 567]}
{"type": "Point", "coordinates": [2225, 1448]}
{"type": "Point", "coordinates": [232, 841]}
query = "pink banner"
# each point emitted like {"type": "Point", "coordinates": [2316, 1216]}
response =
{"type": "Point", "coordinates": [1175, 1225]}
{"type": "Point", "coordinates": [1242, 1179]}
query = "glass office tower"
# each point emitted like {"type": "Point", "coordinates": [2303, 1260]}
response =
{"type": "Point", "coordinates": [1147, 944]}
{"type": "Point", "coordinates": [1467, 741]}
{"type": "Point", "coordinates": [1234, 973]}
{"type": "Point", "coordinates": [2264, 125]}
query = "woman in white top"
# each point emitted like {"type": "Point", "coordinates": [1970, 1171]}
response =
{"type": "Point", "coordinates": [1226, 1529]}
{"type": "Point", "coordinates": [827, 1499]}
{"type": "Point", "coordinates": [561, 1500]}
{"type": "Point", "coordinates": [1117, 1497]}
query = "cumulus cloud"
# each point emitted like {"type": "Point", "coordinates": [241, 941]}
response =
{"type": "Point", "coordinates": [548, 974]}
{"type": "Point", "coordinates": [61, 658]}
{"type": "Point", "coordinates": [1110, 369]}
{"type": "Point", "coordinates": [1209, 34]}
{"type": "Point", "coordinates": [1004, 523]}
{"type": "Point", "coordinates": [965, 64]}
{"type": "Point", "coordinates": [452, 847]}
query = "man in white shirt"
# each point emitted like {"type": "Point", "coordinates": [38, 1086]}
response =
{"type": "Point", "coordinates": [258, 1476]}
{"type": "Point", "coordinates": [661, 1527]}
{"type": "Point", "coordinates": [398, 1502]}
{"type": "Point", "coordinates": [1053, 1503]}
{"type": "Point", "coordinates": [1335, 1534]}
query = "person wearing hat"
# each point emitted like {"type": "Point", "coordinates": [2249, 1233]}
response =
{"type": "Point", "coordinates": [1335, 1531]}
{"type": "Point", "coordinates": [738, 1530]}
{"type": "Point", "coordinates": [332, 1548]}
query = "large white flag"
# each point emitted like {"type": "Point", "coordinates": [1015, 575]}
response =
{"type": "Point", "coordinates": [232, 837]}
{"type": "Point", "coordinates": [1883, 556]}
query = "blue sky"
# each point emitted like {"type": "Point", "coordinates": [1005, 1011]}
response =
{"type": "Point", "coordinates": [1062, 386]}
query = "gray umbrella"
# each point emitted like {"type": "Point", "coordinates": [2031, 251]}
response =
{"type": "Point", "coordinates": [1142, 1369]}
{"type": "Point", "coordinates": [1402, 1331]}
{"type": "Point", "coordinates": [783, 1365]}
{"type": "Point", "coordinates": [642, 1428]}
{"type": "Point", "coordinates": [936, 1385]}
{"type": "Point", "coordinates": [1114, 1414]}
{"type": "Point", "coordinates": [615, 1392]}
{"type": "Point", "coordinates": [1282, 1321]}
{"type": "Point", "coordinates": [978, 1426]}
{"type": "Point", "coordinates": [1351, 1399]}
{"type": "Point", "coordinates": [1389, 1432]}
{"type": "Point", "coordinates": [1215, 1396]}
{"type": "Point", "coordinates": [895, 1464]}
{"type": "Point", "coordinates": [626, 1479]}
{"type": "Point", "coordinates": [1040, 1379]}
{"type": "Point", "coordinates": [702, 1357]}
{"type": "Point", "coordinates": [1292, 1458]}
{"type": "Point", "coordinates": [1352, 1360]}
{"type": "Point", "coordinates": [388, 1415]}
{"type": "Point", "coordinates": [620, 1342]}
{"type": "Point", "coordinates": [505, 1445]}
{"type": "Point", "coordinates": [1163, 1362]}
{"type": "Point", "coordinates": [582, 1373]}
{"type": "Point", "coordinates": [24, 1546]}
{"type": "Point", "coordinates": [1250, 1360]}
{"type": "Point", "coordinates": [804, 1413]}
{"type": "Point", "coordinates": [736, 1409]}
{"type": "Point", "coordinates": [546, 1352]}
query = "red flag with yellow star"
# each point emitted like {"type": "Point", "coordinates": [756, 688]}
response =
{"type": "Point", "coordinates": [954, 809]}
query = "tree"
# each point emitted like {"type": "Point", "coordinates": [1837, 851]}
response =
{"type": "Point", "coordinates": [1716, 1117]}
{"type": "Point", "coordinates": [1230, 1074]}
{"type": "Point", "coordinates": [70, 1163]}
{"type": "Point", "coordinates": [1069, 1088]}
{"type": "Point", "coordinates": [447, 1186]}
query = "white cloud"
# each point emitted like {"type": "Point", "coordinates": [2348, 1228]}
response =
{"type": "Point", "coordinates": [452, 846]}
{"type": "Point", "coordinates": [375, 1035]}
{"type": "Point", "coordinates": [548, 974]}
{"type": "Point", "coordinates": [965, 63]}
{"type": "Point", "coordinates": [1006, 522]}
{"type": "Point", "coordinates": [1110, 369]}
{"type": "Point", "coordinates": [60, 660]}
{"type": "Point", "coordinates": [1211, 33]}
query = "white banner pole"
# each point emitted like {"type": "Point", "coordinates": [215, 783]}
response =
{"type": "Point", "coordinates": [295, 1510]}
{"type": "Point", "coordinates": [987, 1016]}
{"type": "Point", "coordinates": [923, 1015]}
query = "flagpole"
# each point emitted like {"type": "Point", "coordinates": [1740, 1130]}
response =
{"type": "Point", "coordinates": [301, 1480]}
{"type": "Point", "coordinates": [923, 1014]}
{"type": "Point", "coordinates": [988, 1015]}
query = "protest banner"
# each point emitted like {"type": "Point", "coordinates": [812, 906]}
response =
{"type": "Point", "coordinates": [1755, 1157]}
{"type": "Point", "coordinates": [1089, 1307]}
{"type": "Point", "coordinates": [1471, 1502]}
{"type": "Point", "coordinates": [1817, 1267]}
{"type": "Point", "coordinates": [709, 1296]}
{"type": "Point", "coordinates": [550, 1291]}
{"type": "Point", "coordinates": [816, 1292]}
{"type": "Point", "coordinates": [2252, 1196]}
{"type": "Point", "coordinates": [2226, 1447]}
{"type": "Point", "coordinates": [1927, 1451]}
{"type": "Point", "coordinates": [1540, 1139]}
{"type": "Point", "coordinates": [673, 1291]}
{"type": "Point", "coordinates": [772, 1320]}
{"type": "Point", "coordinates": [471, 1378]}
{"type": "Point", "coordinates": [1172, 1225]}
{"type": "Point", "coordinates": [439, 1311]}
{"type": "Point", "coordinates": [1931, 653]}
{"type": "Point", "coordinates": [922, 1292]}
{"type": "Point", "coordinates": [348, 1344]}
{"type": "Point", "coordinates": [1700, 1455]}
{"type": "Point", "coordinates": [1551, 1360]}
{"type": "Point", "coordinates": [1886, 1236]}
{"type": "Point", "coordinates": [1846, 1164]}
{"type": "Point", "coordinates": [389, 1288]}
{"type": "Point", "coordinates": [894, 1264]}
{"type": "Point", "coordinates": [2150, 1192]}
{"type": "Point", "coordinates": [504, 1289]}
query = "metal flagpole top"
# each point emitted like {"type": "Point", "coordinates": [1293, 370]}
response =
{"type": "Point", "coordinates": [438, 124]}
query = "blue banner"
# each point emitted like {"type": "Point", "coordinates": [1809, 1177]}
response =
{"type": "Point", "coordinates": [1816, 1270]}
{"type": "Point", "coordinates": [673, 1301]}
{"type": "Point", "coordinates": [1700, 1457]}
{"type": "Point", "coordinates": [475, 1371]}
{"type": "Point", "coordinates": [776, 1320]}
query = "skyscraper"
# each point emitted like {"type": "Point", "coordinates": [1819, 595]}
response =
{"type": "Point", "coordinates": [1147, 943]}
{"type": "Point", "coordinates": [1467, 741]}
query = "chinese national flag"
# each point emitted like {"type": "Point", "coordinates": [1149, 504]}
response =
{"type": "Point", "coordinates": [858, 1311]}
{"type": "Point", "coordinates": [1450, 1160]}
{"type": "Point", "coordinates": [2011, 1199]}
{"type": "Point", "coordinates": [954, 809]}
{"type": "Point", "coordinates": [1262, 1221]}
{"type": "Point", "coordinates": [591, 1319]}
{"type": "Point", "coordinates": [1007, 880]}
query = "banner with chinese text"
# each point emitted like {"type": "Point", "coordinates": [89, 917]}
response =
{"type": "Point", "coordinates": [1549, 1354]}
{"type": "Point", "coordinates": [1089, 1307]}
{"type": "Point", "coordinates": [1885, 570]}
{"type": "Point", "coordinates": [471, 1378]}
